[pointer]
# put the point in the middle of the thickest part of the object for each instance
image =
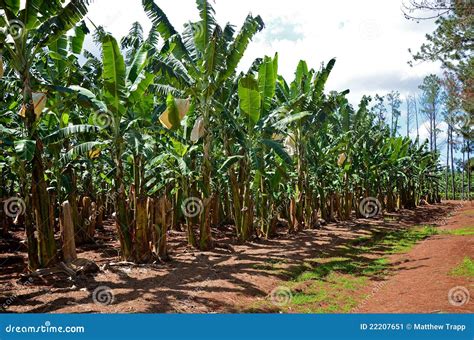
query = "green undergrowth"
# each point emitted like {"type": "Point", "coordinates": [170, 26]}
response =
{"type": "Point", "coordinates": [465, 268]}
{"type": "Point", "coordinates": [467, 231]}
{"type": "Point", "coordinates": [335, 283]}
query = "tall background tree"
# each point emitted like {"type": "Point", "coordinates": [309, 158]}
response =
{"type": "Point", "coordinates": [451, 43]}
{"type": "Point", "coordinates": [394, 103]}
{"type": "Point", "coordinates": [431, 101]}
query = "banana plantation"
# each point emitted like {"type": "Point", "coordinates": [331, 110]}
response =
{"type": "Point", "coordinates": [161, 132]}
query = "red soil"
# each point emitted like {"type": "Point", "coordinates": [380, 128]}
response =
{"type": "Point", "coordinates": [224, 280]}
{"type": "Point", "coordinates": [422, 279]}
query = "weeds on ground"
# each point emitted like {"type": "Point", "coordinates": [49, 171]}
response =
{"type": "Point", "coordinates": [465, 268]}
{"type": "Point", "coordinates": [467, 231]}
{"type": "Point", "coordinates": [333, 284]}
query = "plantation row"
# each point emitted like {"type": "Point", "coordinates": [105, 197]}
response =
{"type": "Point", "coordinates": [162, 132]}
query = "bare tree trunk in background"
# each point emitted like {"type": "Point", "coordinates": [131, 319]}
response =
{"type": "Point", "coordinates": [446, 189]}
{"type": "Point", "coordinates": [431, 132]}
{"type": "Point", "coordinates": [463, 169]}
{"type": "Point", "coordinates": [469, 169]}
{"type": "Point", "coordinates": [434, 128]}
{"type": "Point", "coordinates": [408, 116]}
{"type": "Point", "coordinates": [453, 172]}
{"type": "Point", "coordinates": [416, 120]}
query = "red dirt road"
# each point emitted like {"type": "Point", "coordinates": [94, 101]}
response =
{"type": "Point", "coordinates": [421, 283]}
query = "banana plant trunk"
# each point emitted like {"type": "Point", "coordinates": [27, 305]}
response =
{"type": "Point", "coordinates": [79, 230]}
{"type": "Point", "coordinates": [205, 241]}
{"type": "Point", "coordinates": [191, 221]}
{"type": "Point", "coordinates": [141, 245]}
{"type": "Point", "coordinates": [300, 187]}
{"type": "Point", "coordinates": [121, 213]}
{"type": "Point", "coordinates": [40, 201]}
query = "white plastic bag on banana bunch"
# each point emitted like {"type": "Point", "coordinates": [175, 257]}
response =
{"type": "Point", "coordinates": [198, 130]}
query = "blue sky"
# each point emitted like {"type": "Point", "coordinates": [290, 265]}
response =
{"type": "Point", "coordinates": [369, 38]}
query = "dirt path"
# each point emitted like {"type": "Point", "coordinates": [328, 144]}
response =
{"type": "Point", "coordinates": [224, 280]}
{"type": "Point", "coordinates": [422, 280]}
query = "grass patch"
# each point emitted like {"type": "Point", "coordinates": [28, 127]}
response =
{"type": "Point", "coordinates": [270, 264]}
{"type": "Point", "coordinates": [333, 284]}
{"type": "Point", "coordinates": [404, 241]}
{"type": "Point", "coordinates": [358, 266]}
{"type": "Point", "coordinates": [462, 231]}
{"type": "Point", "coordinates": [465, 268]}
{"type": "Point", "coordinates": [331, 295]}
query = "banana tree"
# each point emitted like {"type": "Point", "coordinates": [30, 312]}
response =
{"type": "Point", "coordinates": [307, 108]}
{"type": "Point", "coordinates": [126, 101]}
{"type": "Point", "coordinates": [26, 31]}
{"type": "Point", "coordinates": [122, 107]}
{"type": "Point", "coordinates": [60, 71]}
{"type": "Point", "coordinates": [199, 63]}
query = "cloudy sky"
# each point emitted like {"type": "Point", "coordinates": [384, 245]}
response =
{"type": "Point", "coordinates": [369, 38]}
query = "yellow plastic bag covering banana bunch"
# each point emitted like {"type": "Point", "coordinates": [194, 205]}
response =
{"type": "Point", "coordinates": [94, 153]}
{"type": "Point", "coordinates": [175, 111]}
{"type": "Point", "coordinates": [341, 159]}
{"type": "Point", "coordinates": [39, 101]}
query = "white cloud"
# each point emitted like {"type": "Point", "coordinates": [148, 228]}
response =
{"type": "Point", "coordinates": [425, 134]}
{"type": "Point", "coordinates": [369, 38]}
